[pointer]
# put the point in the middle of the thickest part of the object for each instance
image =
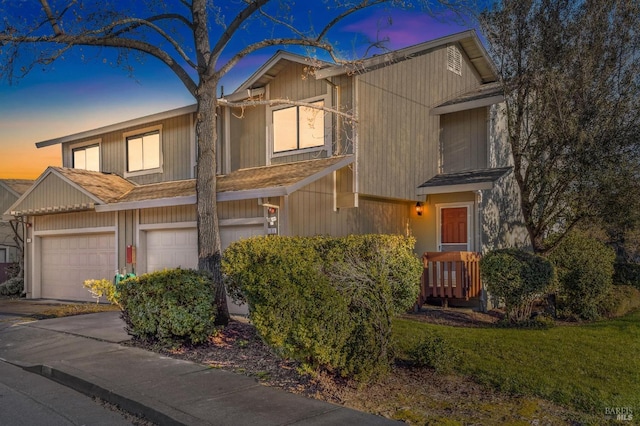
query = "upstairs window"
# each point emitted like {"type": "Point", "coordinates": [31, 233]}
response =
{"type": "Point", "coordinates": [144, 151]}
{"type": "Point", "coordinates": [87, 158]}
{"type": "Point", "coordinates": [454, 60]}
{"type": "Point", "coordinates": [298, 127]}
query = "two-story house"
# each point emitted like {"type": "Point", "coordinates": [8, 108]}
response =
{"type": "Point", "coordinates": [417, 149]}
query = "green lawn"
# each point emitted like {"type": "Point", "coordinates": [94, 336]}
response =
{"type": "Point", "coordinates": [588, 367]}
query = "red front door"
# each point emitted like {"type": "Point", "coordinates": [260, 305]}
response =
{"type": "Point", "coordinates": [454, 229]}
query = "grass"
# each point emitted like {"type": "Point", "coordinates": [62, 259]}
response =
{"type": "Point", "coordinates": [588, 367]}
{"type": "Point", "coordinates": [74, 309]}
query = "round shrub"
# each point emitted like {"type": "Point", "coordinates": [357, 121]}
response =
{"type": "Point", "coordinates": [585, 269]}
{"type": "Point", "coordinates": [518, 278]}
{"type": "Point", "coordinates": [170, 307]}
{"type": "Point", "coordinates": [12, 287]}
{"type": "Point", "coordinates": [435, 352]}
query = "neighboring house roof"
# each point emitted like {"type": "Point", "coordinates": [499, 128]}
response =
{"type": "Point", "coordinates": [468, 41]}
{"type": "Point", "coordinates": [16, 186]}
{"type": "Point", "coordinates": [471, 180]}
{"type": "Point", "coordinates": [109, 192]}
{"type": "Point", "coordinates": [485, 95]}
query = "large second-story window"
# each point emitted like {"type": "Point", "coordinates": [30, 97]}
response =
{"type": "Point", "coordinates": [87, 158]}
{"type": "Point", "coordinates": [298, 127]}
{"type": "Point", "coordinates": [143, 151]}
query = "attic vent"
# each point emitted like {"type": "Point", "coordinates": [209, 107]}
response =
{"type": "Point", "coordinates": [454, 60]}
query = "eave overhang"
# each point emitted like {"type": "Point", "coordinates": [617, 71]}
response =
{"type": "Point", "coordinates": [473, 180]}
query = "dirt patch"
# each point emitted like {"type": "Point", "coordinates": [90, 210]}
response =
{"type": "Point", "coordinates": [414, 395]}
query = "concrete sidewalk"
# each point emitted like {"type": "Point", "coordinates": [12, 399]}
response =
{"type": "Point", "coordinates": [83, 352]}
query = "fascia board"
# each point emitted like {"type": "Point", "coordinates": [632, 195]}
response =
{"type": "Point", "coordinates": [463, 106]}
{"type": "Point", "coordinates": [444, 189]}
{"type": "Point", "coordinates": [120, 126]}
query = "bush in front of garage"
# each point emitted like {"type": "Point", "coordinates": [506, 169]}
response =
{"type": "Point", "coordinates": [327, 302]}
{"type": "Point", "coordinates": [12, 287]}
{"type": "Point", "coordinates": [170, 307]}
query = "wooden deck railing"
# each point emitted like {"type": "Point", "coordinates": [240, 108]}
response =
{"type": "Point", "coordinates": [451, 275]}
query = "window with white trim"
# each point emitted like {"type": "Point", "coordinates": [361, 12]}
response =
{"type": "Point", "coordinates": [3, 255]}
{"type": "Point", "coordinates": [454, 60]}
{"type": "Point", "coordinates": [144, 151]}
{"type": "Point", "coordinates": [86, 157]}
{"type": "Point", "coordinates": [298, 127]}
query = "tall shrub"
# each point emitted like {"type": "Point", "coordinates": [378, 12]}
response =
{"type": "Point", "coordinates": [326, 301]}
{"type": "Point", "coordinates": [518, 278]}
{"type": "Point", "coordinates": [585, 270]}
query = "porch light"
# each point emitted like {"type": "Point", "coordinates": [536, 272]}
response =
{"type": "Point", "coordinates": [419, 208]}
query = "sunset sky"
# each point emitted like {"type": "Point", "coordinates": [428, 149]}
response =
{"type": "Point", "coordinates": [74, 95]}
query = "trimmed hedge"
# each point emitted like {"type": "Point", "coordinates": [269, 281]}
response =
{"type": "Point", "coordinates": [585, 269]}
{"type": "Point", "coordinates": [327, 302]}
{"type": "Point", "coordinates": [518, 278]}
{"type": "Point", "coordinates": [170, 307]}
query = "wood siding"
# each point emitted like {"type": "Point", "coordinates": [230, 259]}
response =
{"type": "Point", "coordinates": [464, 140]}
{"type": "Point", "coordinates": [78, 220]}
{"type": "Point", "coordinates": [177, 214]}
{"type": "Point", "coordinates": [53, 192]}
{"type": "Point", "coordinates": [126, 235]}
{"type": "Point", "coordinates": [248, 143]}
{"type": "Point", "coordinates": [398, 139]}
{"type": "Point", "coordinates": [176, 151]}
{"type": "Point", "coordinates": [311, 213]}
{"type": "Point", "coordinates": [6, 200]}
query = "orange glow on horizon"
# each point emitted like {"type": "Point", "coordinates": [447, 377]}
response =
{"type": "Point", "coordinates": [28, 162]}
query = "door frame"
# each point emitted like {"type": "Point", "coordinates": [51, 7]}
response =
{"type": "Point", "coordinates": [470, 222]}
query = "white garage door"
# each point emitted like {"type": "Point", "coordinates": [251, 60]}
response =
{"type": "Point", "coordinates": [67, 261]}
{"type": "Point", "coordinates": [172, 248]}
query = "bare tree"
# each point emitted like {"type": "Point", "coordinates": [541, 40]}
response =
{"type": "Point", "coordinates": [570, 71]}
{"type": "Point", "coordinates": [191, 37]}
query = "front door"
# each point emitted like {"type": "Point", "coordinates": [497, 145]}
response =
{"type": "Point", "coordinates": [454, 228]}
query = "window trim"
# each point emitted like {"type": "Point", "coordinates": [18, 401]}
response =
{"type": "Point", "coordinates": [85, 145]}
{"type": "Point", "coordinates": [141, 132]}
{"type": "Point", "coordinates": [328, 120]}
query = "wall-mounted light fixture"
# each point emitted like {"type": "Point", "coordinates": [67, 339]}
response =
{"type": "Point", "coordinates": [419, 208]}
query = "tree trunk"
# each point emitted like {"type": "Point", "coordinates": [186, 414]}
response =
{"type": "Point", "coordinates": [209, 251]}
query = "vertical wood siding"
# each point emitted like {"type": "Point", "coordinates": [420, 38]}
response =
{"type": "Point", "coordinates": [176, 151]}
{"type": "Point", "coordinates": [398, 139]}
{"type": "Point", "coordinates": [248, 142]}
{"type": "Point", "coordinates": [173, 214]}
{"type": "Point", "coordinates": [78, 220]}
{"type": "Point", "coordinates": [6, 200]}
{"type": "Point", "coordinates": [126, 235]}
{"type": "Point", "coordinates": [464, 140]}
{"type": "Point", "coordinates": [311, 213]}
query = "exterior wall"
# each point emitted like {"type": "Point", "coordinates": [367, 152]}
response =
{"type": "Point", "coordinates": [311, 213]}
{"type": "Point", "coordinates": [464, 140]}
{"type": "Point", "coordinates": [502, 224]}
{"type": "Point", "coordinates": [177, 141]}
{"type": "Point", "coordinates": [248, 138]}
{"type": "Point", "coordinates": [398, 138]}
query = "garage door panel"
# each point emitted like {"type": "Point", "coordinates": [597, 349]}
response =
{"type": "Point", "coordinates": [67, 261]}
{"type": "Point", "coordinates": [171, 248]}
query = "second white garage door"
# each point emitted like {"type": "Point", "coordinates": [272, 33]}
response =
{"type": "Point", "coordinates": [67, 261]}
{"type": "Point", "coordinates": [172, 248]}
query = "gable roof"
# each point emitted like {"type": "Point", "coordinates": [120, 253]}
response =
{"type": "Point", "coordinates": [471, 180]}
{"type": "Point", "coordinates": [468, 42]}
{"type": "Point", "coordinates": [270, 69]}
